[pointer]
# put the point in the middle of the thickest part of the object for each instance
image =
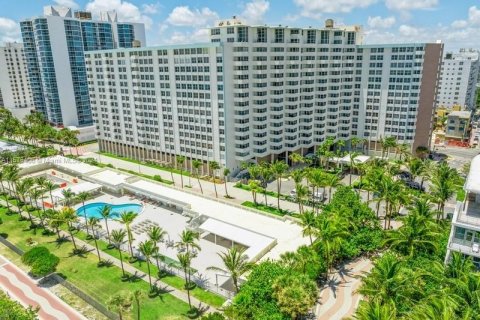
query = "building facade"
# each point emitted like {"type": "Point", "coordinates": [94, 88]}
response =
{"type": "Point", "coordinates": [54, 49]}
{"type": "Point", "coordinates": [458, 79]}
{"type": "Point", "coordinates": [458, 126]}
{"type": "Point", "coordinates": [465, 233]}
{"type": "Point", "coordinates": [267, 92]}
{"type": "Point", "coordinates": [14, 80]}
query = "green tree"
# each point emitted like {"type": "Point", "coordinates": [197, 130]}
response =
{"type": "Point", "coordinates": [374, 310]}
{"type": "Point", "coordinates": [138, 296]}
{"type": "Point", "coordinates": [295, 294]}
{"type": "Point", "coordinates": [82, 197]}
{"type": "Point", "coordinates": [156, 234]}
{"type": "Point", "coordinates": [121, 303]}
{"type": "Point", "coordinates": [226, 172]}
{"type": "Point", "coordinates": [69, 217]}
{"type": "Point", "coordinates": [279, 168]}
{"type": "Point", "coordinates": [180, 163]}
{"type": "Point", "coordinates": [236, 264]}
{"type": "Point", "coordinates": [148, 249]}
{"type": "Point", "coordinates": [308, 221]}
{"type": "Point", "coordinates": [12, 310]}
{"type": "Point", "coordinates": [185, 260]}
{"type": "Point", "coordinates": [68, 197]}
{"type": "Point", "coordinates": [92, 222]}
{"type": "Point", "coordinates": [214, 166]}
{"type": "Point", "coordinates": [118, 239]}
{"type": "Point", "coordinates": [127, 219]}
{"type": "Point", "coordinates": [443, 186]}
{"type": "Point", "coordinates": [196, 165]}
{"type": "Point", "coordinates": [106, 212]}
{"type": "Point", "coordinates": [254, 189]}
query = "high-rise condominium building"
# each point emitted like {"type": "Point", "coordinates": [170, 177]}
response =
{"type": "Point", "coordinates": [259, 93]}
{"type": "Point", "coordinates": [458, 79]}
{"type": "Point", "coordinates": [54, 49]}
{"type": "Point", "coordinates": [14, 81]}
{"type": "Point", "coordinates": [465, 233]}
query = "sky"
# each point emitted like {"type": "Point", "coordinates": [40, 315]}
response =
{"type": "Point", "coordinates": [455, 22]}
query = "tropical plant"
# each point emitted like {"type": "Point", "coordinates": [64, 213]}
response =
{"type": "Point", "coordinates": [127, 219]}
{"type": "Point", "coordinates": [279, 168]}
{"type": "Point", "coordinates": [156, 234]}
{"type": "Point", "coordinates": [68, 197]}
{"type": "Point", "coordinates": [308, 221]}
{"type": "Point", "coordinates": [69, 216]}
{"type": "Point", "coordinates": [106, 212]}
{"type": "Point", "coordinates": [121, 302]}
{"type": "Point", "coordinates": [236, 263]}
{"type": "Point", "coordinates": [214, 166]}
{"type": "Point", "coordinates": [196, 165]}
{"type": "Point", "coordinates": [138, 296]}
{"type": "Point", "coordinates": [226, 172]}
{"type": "Point", "coordinates": [180, 163]}
{"type": "Point", "coordinates": [92, 222]}
{"type": "Point", "coordinates": [118, 238]}
{"type": "Point", "coordinates": [148, 249]}
{"type": "Point", "coordinates": [185, 260]}
{"type": "Point", "coordinates": [254, 187]}
{"type": "Point", "coordinates": [82, 197]}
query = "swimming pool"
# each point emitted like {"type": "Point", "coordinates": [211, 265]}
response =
{"type": "Point", "coordinates": [93, 209]}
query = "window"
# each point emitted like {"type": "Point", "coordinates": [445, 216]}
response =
{"type": "Point", "coordinates": [215, 31]}
{"type": "Point", "coordinates": [242, 34]}
{"type": "Point", "coordinates": [324, 37]}
{"type": "Point", "coordinates": [261, 35]}
{"type": "Point", "coordinates": [311, 35]}
{"type": "Point", "coordinates": [279, 35]}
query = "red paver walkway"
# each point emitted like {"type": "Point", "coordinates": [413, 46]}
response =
{"type": "Point", "coordinates": [25, 290]}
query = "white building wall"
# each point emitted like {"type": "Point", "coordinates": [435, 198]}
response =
{"type": "Point", "coordinates": [459, 78]}
{"type": "Point", "coordinates": [14, 81]}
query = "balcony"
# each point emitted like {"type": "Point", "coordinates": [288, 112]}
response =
{"type": "Point", "coordinates": [468, 212]}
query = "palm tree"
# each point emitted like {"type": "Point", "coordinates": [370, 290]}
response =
{"type": "Point", "coordinates": [69, 216]}
{"type": "Point", "coordinates": [331, 181]}
{"type": "Point", "coordinates": [3, 177]}
{"type": "Point", "coordinates": [106, 212]}
{"type": "Point", "coordinates": [351, 157]}
{"type": "Point", "coordinates": [226, 172]}
{"type": "Point", "coordinates": [387, 143]}
{"type": "Point", "coordinates": [11, 176]}
{"type": "Point", "coordinates": [213, 165]}
{"type": "Point", "coordinates": [308, 221]}
{"type": "Point", "coordinates": [37, 193]}
{"type": "Point", "coordinates": [170, 168]}
{"type": "Point", "coordinates": [374, 310]}
{"type": "Point", "coordinates": [50, 186]}
{"type": "Point", "coordinates": [196, 165]}
{"type": "Point", "coordinates": [127, 218]}
{"type": "Point", "coordinates": [331, 232]}
{"type": "Point", "coordinates": [82, 197]}
{"type": "Point", "coordinates": [92, 222]}
{"type": "Point", "coordinates": [254, 187]}
{"type": "Point", "coordinates": [156, 234]}
{"type": "Point", "coordinates": [417, 232]}
{"type": "Point", "coordinates": [120, 302]}
{"type": "Point", "coordinates": [385, 281]}
{"type": "Point", "coordinates": [54, 221]}
{"type": "Point", "coordinates": [68, 196]}
{"type": "Point", "coordinates": [442, 186]}
{"type": "Point", "coordinates": [118, 238]}
{"type": "Point", "coordinates": [301, 192]}
{"type": "Point", "coordinates": [180, 162]}
{"type": "Point", "coordinates": [21, 189]}
{"type": "Point", "coordinates": [279, 168]}
{"type": "Point", "coordinates": [138, 295]}
{"type": "Point", "coordinates": [185, 260]}
{"type": "Point", "coordinates": [148, 248]}
{"type": "Point", "coordinates": [296, 158]}
{"type": "Point", "coordinates": [188, 241]}
{"type": "Point", "coordinates": [236, 264]}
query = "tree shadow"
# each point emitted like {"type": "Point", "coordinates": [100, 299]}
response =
{"type": "Point", "coordinates": [79, 252]}
{"type": "Point", "coordinates": [105, 264]}
{"type": "Point", "coordinates": [4, 235]}
{"type": "Point", "coordinates": [135, 277]}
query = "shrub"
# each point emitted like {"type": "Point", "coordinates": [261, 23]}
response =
{"type": "Point", "coordinates": [157, 178]}
{"type": "Point", "coordinates": [33, 254]}
{"type": "Point", "coordinates": [10, 309]}
{"type": "Point", "coordinates": [41, 261]}
{"type": "Point", "coordinates": [214, 316]}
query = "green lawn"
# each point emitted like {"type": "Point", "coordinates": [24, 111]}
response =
{"type": "Point", "coordinates": [176, 282]}
{"type": "Point", "coordinates": [82, 271]}
{"type": "Point", "coordinates": [152, 165]}
{"type": "Point", "coordinates": [269, 209]}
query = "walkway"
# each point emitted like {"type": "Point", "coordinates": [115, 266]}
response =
{"type": "Point", "coordinates": [128, 268]}
{"type": "Point", "coordinates": [239, 195]}
{"type": "Point", "coordinates": [25, 290]}
{"type": "Point", "coordinates": [338, 299]}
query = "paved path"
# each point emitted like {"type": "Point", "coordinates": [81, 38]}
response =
{"type": "Point", "coordinates": [25, 290]}
{"type": "Point", "coordinates": [338, 299]}
{"type": "Point", "coordinates": [128, 268]}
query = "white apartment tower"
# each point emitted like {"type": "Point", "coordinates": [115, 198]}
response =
{"type": "Point", "coordinates": [458, 79]}
{"type": "Point", "coordinates": [259, 93]}
{"type": "Point", "coordinates": [14, 81]}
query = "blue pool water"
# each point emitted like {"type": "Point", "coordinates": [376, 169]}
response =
{"type": "Point", "coordinates": [93, 209]}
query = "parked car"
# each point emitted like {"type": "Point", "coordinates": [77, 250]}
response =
{"type": "Point", "coordinates": [319, 196]}
{"type": "Point", "coordinates": [415, 185]}
{"type": "Point", "coordinates": [405, 176]}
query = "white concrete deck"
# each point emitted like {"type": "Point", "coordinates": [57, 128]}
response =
{"type": "Point", "coordinates": [110, 177]}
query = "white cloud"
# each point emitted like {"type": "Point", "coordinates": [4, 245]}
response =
{"type": "Point", "coordinates": [255, 10]}
{"type": "Point", "coordinates": [407, 5]}
{"type": "Point", "coordinates": [314, 8]}
{"type": "Point", "coordinates": [150, 8]}
{"type": "Point", "coordinates": [474, 15]}
{"type": "Point", "coordinates": [126, 11]}
{"type": "Point", "coordinates": [409, 31]}
{"type": "Point", "coordinates": [9, 30]}
{"type": "Point", "coordinates": [67, 3]}
{"type": "Point", "coordinates": [459, 24]}
{"type": "Point", "coordinates": [379, 22]}
{"type": "Point", "coordinates": [184, 16]}
{"type": "Point", "coordinates": [197, 36]}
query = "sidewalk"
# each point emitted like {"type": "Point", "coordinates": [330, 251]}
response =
{"type": "Point", "coordinates": [130, 269]}
{"type": "Point", "coordinates": [25, 290]}
{"type": "Point", "coordinates": [239, 195]}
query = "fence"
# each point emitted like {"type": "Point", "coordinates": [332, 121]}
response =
{"type": "Point", "coordinates": [69, 286]}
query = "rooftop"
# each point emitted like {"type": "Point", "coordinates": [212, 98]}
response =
{"type": "Point", "coordinates": [460, 114]}
{"type": "Point", "coordinates": [473, 180]}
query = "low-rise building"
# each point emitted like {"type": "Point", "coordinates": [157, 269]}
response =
{"type": "Point", "coordinates": [465, 234]}
{"type": "Point", "coordinates": [458, 126]}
